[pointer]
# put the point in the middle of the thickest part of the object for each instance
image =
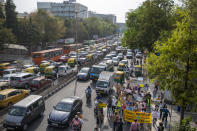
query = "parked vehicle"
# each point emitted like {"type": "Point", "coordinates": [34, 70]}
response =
{"type": "Point", "coordinates": [24, 112]}
{"type": "Point", "coordinates": [22, 80]}
{"type": "Point", "coordinates": [105, 83]}
{"type": "Point", "coordinates": [65, 111]}
{"type": "Point", "coordinates": [9, 97]}
{"type": "Point", "coordinates": [51, 72]}
{"type": "Point", "coordinates": [64, 70]}
{"type": "Point", "coordinates": [84, 74]}
{"type": "Point", "coordinates": [40, 82]}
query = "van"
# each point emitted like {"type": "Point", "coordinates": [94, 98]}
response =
{"type": "Point", "coordinates": [105, 83]}
{"type": "Point", "coordinates": [40, 82]}
{"type": "Point", "coordinates": [64, 70]}
{"type": "Point", "coordinates": [22, 80]}
{"type": "Point", "coordinates": [24, 112]}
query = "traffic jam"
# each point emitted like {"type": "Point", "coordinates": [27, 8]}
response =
{"type": "Point", "coordinates": [106, 63]}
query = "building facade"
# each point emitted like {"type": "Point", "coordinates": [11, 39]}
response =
{"type": "Point", "coordinates": [66, 9]}
{"type": "Point", "coordinates": [109, 17]}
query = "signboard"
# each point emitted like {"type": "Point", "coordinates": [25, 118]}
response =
{"type": "Point", "coordinates": [102, 105]}
{"type": "Point", "coordinates": [141, 117]}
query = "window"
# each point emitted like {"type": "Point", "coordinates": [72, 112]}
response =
{"type": "Point", "coordinates": [2, 97]}
{"type": "Point", "coordinates": [36, 56]}
{"type": "Point", "coordinates": [12, 94]}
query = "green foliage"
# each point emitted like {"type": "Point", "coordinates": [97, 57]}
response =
{"type": "Point", "coordinates": [6, 35]}
{"type": "Point", "coordinates": [146, 23]}
{"type": "Point", "coordinates": [11, 16]}
{"type": "Point", "coordinates": [185, 125]}
{"type": "Point", "coordinates": [175, 68]}
{"type": "Point", "coordinates": [86, 28]}
{"type": "Point", "coordinates": [2, 16]}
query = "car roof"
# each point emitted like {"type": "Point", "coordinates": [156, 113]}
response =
{"type": "Point", "coordinates": [6, 91]}
{"type": "Point", "coordinates": [85, 68]}
{"type": "Point", "coordinates": [28, 100]}
{"type": "Point", "coordinates": [10, 69]}
{"type": "Point", "coordinates": [10, 75]}
{"type": "Point", "coordinates": [21, 74]}
{"type": "Point", "coordinates": [70, 99]}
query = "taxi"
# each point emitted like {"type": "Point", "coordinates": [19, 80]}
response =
{"type": "Point", "coordinates": [9, 97]}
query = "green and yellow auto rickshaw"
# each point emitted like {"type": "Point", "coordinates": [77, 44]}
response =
{"type": "Point", "coordinates": [119, 77]}
{"type": "Point", "coordinates": [43, 66]}
{"type": "Point", "coordinates": [138, 70]}
{"type": "Point", "coordinates": [50, 72]}
{"type": "Point", "coordinates": [89, 57]}
{"type": "Point", "coordinates": [32, 70]}
{"type": "Point", "coordinates": [71, 62]}
{"type": "Point", "coordinates": [121, 67]}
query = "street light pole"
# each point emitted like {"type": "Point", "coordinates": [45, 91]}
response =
{"type": "Point", "coordinates": [76, 36]}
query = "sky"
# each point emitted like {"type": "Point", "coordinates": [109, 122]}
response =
{"type": "Point", "coordinates": [116, 7]}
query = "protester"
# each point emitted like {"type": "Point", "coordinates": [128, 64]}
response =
{"type": "Point", "coordinates": [115, 123]}
{"type": "Point", "coordinates": [134, 126]}
{"type": "Point", "coordinates": [120, 125]}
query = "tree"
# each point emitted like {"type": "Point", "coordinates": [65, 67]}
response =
{"type": "Point", "coordinates": [175, 69]}
{"type": "Point", "coordinates": [146, 23]}
{"type": "Point", "coordinates": [50, 28]}
{"type": "Point", "coordinates": [2, 16]}
{"type": "Point", "coordinates": [11, 16]}
{"type": "Point", "coordinates": [6, 35]}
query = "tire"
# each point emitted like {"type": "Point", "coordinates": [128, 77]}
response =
{"type": "Point", "coordinates": [25, 127]}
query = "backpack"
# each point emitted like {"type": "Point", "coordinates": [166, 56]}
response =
{"type": "Point", "coordinates": [134, 127]}
{"type": "Point", "coordinates": [76, 124]}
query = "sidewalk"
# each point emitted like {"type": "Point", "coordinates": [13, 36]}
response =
{"type": "Point", "coordinates": [175, 115]}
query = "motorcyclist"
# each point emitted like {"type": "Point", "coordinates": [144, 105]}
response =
{"type": "Point", "coordinates": [76, 124]}
{"type": "Point", "coordinates": [88, 92]}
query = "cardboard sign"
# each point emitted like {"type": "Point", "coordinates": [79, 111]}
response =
{"type": "Point", "coordinates": [102, 105]}
{"type": "Point", "coordinates": [141, 117]}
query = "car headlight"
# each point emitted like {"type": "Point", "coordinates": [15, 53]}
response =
{"type": "Point", "coordinates": [18, 123]}
{"type": "Point", "coordinates": [65, 120]}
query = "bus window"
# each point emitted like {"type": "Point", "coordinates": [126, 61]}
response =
{"type": "Point", "coordinates": [45, 55]}
{"type": "Point", "coordinates": [36, 56]}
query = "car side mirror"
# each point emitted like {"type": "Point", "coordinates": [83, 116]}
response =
{"type": "Point", "coordinates": [53, 107]}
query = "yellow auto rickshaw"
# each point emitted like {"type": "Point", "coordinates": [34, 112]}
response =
{"type": "Point", "coordinates": [43, 66]}
{"type": "Point", "coordinates": [138, 70]}
{"type": "Point", "coordinates": [4, 66]}
{"type": "Point", "coordinates": [71, 62]}
{"type": "Point", "coordinates": [119, 77]}
{"type": "Point", "coordinates": [32, 70]}
{"type": "Point", "coordinates": [4, 85]}
{"type": "Point", "coordinates": [121, 67]}
{"type": "Point", "coordinates": [50, 72]}
{"type": "Point", "coordinates": [89, 57]}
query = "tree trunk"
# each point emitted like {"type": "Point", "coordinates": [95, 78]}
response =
{"type": "Point", "coordinates": [182, 113]}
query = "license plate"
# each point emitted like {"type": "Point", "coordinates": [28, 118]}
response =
{"type": "Point", "coordinates": [10, 128]}
{"type": "Point", "coordinates": [54, 124]}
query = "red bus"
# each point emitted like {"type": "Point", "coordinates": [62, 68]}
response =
{"type": "Point", "coordinates": [71, 47]}
{"type": "Point", "coordinates": [51, 54]}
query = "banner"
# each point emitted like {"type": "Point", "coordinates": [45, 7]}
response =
{"type": "Point", "coordinates": [102, 105]}
{"type": "Point", "coordinates": [141, 117]}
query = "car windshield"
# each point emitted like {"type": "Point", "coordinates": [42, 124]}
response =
{"type": "Point", "coordinates": [102, 84]}
{"type": "Point", "coordinates": [108, 56]}
{"type": "Point", "coordinates": [17, 111]}
{"type": "Point", "coordinates": [97, 70]}
{"type": "Point", "coordinates": [2, 97]}
{"type": "Point", "coordinates": [35, 82]}
{"type": "Point", "coordinates": [63, 107]}
{"type": "Point", "coordinates": [83, 71]}
{"type": "Point", "coordinates": [115, 59]}
{"type": "Point", "coordinates": [15, 78]}
{"type": "Point", "coordinates": [6, 72]}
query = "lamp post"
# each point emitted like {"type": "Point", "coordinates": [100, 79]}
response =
{"type": "Point", "coordinates": [76, 36]}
